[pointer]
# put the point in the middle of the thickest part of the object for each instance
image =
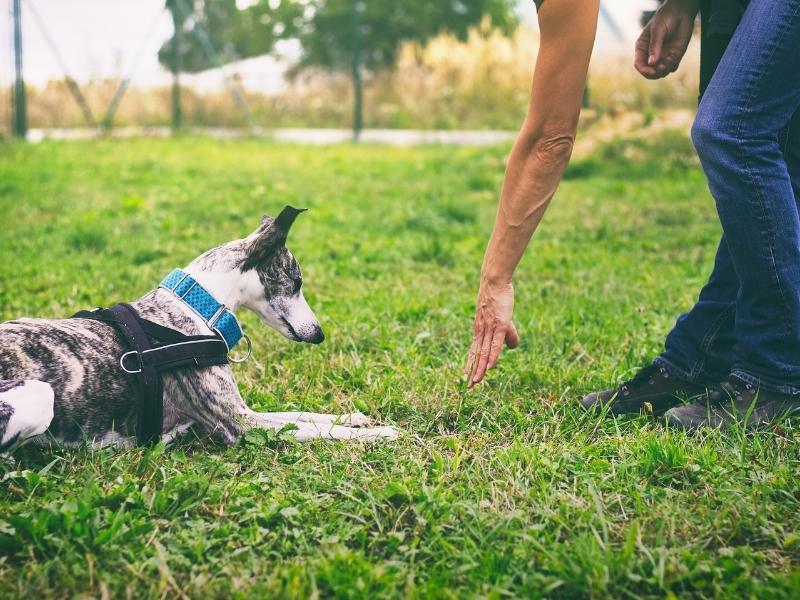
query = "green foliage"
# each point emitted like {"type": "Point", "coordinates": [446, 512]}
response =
{"type": "Point", "coordinates": [233, 33]}
{"type": "Point", "coordinates": [506, 491]}
{"type": "Point", "coordinates": [328, 41]}
{"type": "Point", "coordinates": [326, 29]}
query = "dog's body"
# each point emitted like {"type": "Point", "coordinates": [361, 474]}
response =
{"type": "Point", "coordinates": [64, 376]}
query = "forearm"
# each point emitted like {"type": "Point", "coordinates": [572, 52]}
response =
{"type": "Point", "coordinates": [544, 145]}
{"type": "Point", "coordinates": [534, 170]}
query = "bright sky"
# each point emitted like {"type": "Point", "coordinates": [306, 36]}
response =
{"type": "Point", "coordinates": [100, 38]}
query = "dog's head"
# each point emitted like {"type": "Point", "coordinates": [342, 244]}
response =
{"type": "Point", "coordinates": [273, 282]}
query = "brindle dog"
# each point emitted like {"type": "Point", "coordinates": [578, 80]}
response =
{"type": "Point", "coordinates": [62, 380]}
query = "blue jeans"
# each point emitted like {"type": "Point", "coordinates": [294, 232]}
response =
{"type": "Point", "coordinates": [747, 134]}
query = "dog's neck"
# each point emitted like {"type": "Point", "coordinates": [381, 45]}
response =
{"type": "Point", "coordinates": [227, 287]}
{"type": "Point", "coordinates": [218, 272]}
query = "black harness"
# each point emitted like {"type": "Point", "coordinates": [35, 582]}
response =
{"type": "Point", "coordinates": [154, 349]}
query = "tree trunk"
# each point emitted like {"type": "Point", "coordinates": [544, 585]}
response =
{"type": "Point", "coordinates": [358, 91]}
{"type": "Point", "coordinates": [20, 108]}
{"type": "Point", "coordinates": [175, 67]}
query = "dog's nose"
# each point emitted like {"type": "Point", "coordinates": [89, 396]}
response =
{"type": "Point", "coordinates": [318, 337]}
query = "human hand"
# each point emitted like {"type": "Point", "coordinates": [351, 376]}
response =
{"type": "Point", "coordinates": [492, 329]}
{"type": "Point", "coordinates": [663, 41]}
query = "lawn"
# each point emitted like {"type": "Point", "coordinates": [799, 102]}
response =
{"type": "Point", "coordinates": [506, 490]}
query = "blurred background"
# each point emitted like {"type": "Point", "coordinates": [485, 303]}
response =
{"type": "Point", "coordinates": [287, 68]}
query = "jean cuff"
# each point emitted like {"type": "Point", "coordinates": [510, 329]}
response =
{"type": "Point", "coordinates": [766, 384]}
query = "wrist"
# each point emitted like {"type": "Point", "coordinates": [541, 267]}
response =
{"type": "Point", "coordinates": [688, 7]}
{"type": "Point", "coordinates": [490, 280]}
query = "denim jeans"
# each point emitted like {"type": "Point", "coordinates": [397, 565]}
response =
{"type": "Point", "coordinates": [746, 321]}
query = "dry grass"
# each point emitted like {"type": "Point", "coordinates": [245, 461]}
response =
{"type": "Point", "coordinates": [616, 87]}
{"type": "Point", "coordinates": [480, 83]}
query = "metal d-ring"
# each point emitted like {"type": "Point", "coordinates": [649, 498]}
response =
{"type": "Point", "coordinates": [237, 361]}
{"type": "Point", "coordinates": [122, 363]}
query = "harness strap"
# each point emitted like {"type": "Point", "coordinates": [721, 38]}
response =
{"type": "Point", "coordinates": [193, 353]}
{"type": "Point", "coordinates": [151, 386]}
{"type": "Point", "coordinates": [147, 360]}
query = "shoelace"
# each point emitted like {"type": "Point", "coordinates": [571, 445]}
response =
{"type": "Point", "coordinates": [727, 391]}
{"type": "Point", "coordinates": [647, 373]}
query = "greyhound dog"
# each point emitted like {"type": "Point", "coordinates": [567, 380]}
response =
{"type": "Point", "coordinates": [64, 379]}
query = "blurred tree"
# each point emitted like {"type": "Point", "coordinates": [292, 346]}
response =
{"type": "Point", "coordinates": [324, 27]}
{"type": "Point", "coordinates": [341, 35]}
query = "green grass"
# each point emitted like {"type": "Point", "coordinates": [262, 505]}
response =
{"type": "Point", "coordinates": [508, 490]}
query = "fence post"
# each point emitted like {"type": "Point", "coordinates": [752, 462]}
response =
{"type": "Point", "coordinates": [20, 111]}
{"type": "Point", "coordinates": [175, 67]}
{"type": "Point", "coordinates": [358, 41]}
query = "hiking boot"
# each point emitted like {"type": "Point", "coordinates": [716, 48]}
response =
{"type": "Point", "coordinates": [653, 386]}
{"type": "Point", "coordinates": [732, 402]}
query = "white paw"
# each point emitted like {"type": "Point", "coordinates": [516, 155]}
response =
{"type": "Point", "coordinates": [374, 433]}
{"type": "Point", "coordinates": [356, 419]}
{"type": "Point", "coordinates": [31, 411]}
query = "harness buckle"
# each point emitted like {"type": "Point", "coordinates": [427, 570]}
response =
{"type": "Point", "coordinates": [122, 362]}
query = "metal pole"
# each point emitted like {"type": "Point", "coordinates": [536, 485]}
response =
{"type": "Point", "coordinates": [175, 65]}
{"type": "Point", "coordinates": [358, 91]}
{"type": "Point", "coordinates": [20, 112]}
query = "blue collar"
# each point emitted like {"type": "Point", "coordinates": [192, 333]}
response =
{"type": "Point", "coordinates": [216, 315]}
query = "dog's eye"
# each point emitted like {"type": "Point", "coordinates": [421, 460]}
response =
{"type": "Point", "coordinates": [297, 284]}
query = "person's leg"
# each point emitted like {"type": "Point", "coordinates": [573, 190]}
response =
{"type": "Point", "coordinates": [736, 402]}
{"type": "Point", "coordinates": [698, 354]}
{"type": "Point", "coordinates": [751, 98]}
{"type": "Point", "coordinates": [699, 349]}
{"type": "Point", "coordinates": [791, 152]}
{"type": "Point", "coordinates": [700, 346]}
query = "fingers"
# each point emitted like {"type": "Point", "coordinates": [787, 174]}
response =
{"type": "Point", "coordinates": [663, 42]}
{"type": "Point", "coordinates": [477, 339]}
{"type": "Point", "coordinates": [657, 34]}
{"type": "Point", "coordinates": [492, 327]}
{"type": "Point", "coordinates": [643, 52]}
{"type": "Point", "coordinates": [512, 337]}
{"type": "Point", "coordinates": [483, 356]}
{"type": "Point", "coordinates": [486, 352]}
{"type": "Point", "coordinates": [672, 58]}
{"type": "Point", "coordinates": [496, 348]}
{"type": "Point", "coordinates": [656, 56]}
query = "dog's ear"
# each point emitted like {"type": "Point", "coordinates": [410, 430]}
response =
{"type": "Point", "coordinates": [285, 220]}
{"type": "Point", "coordinates": [271, 235]}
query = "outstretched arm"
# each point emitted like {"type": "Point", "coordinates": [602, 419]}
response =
{"type": "Point", "coordinates": [535, 167]}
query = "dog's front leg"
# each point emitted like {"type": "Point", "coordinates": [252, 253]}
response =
{"type": "Point", "coordinates": [210, 401]}
{"type": "Point", "coordinates": [356, 419]}
{"type": "Point", "coordinates": [213, 403]}
{"type": "Point", "coordinates": [309, 430]}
